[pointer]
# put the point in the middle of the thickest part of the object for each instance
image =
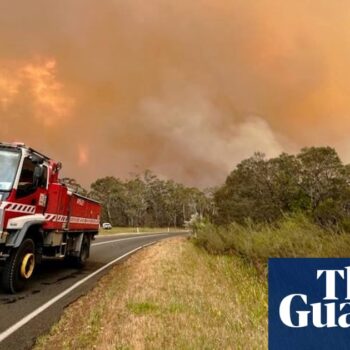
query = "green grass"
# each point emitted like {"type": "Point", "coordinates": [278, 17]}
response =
{"type": "Point", "coordinates": [142, 308]}
{"type": "Point", "coordinates": [293, 236]}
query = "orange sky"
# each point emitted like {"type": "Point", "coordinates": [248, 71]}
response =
{"type": "Point", "coordinates": [185, 88]}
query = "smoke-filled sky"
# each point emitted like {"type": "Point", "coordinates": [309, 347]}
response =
{"type": "Point", "coordinates": [185, 88]}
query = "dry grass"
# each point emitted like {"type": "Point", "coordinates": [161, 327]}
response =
{"type": "Point", "coordinates": [172, 295]}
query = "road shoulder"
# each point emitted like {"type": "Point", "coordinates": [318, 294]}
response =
{"type": "Point", "coordinates": [170, 293]}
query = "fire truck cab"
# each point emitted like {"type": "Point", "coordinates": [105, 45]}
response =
{"type": "Point", "coordinates": [39, 216]}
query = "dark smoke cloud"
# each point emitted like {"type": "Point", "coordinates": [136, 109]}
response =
{"type": "Point", "coordinates": [186, 88]}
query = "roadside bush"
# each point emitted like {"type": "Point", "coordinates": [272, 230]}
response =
{"type": "Point", "coordinates": [196, 222]}
{"type": "Point", "coordinates": [292, 236]}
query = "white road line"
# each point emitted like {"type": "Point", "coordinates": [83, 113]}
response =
{"type": "Point", "coordinates": [126, 239]}
{"type": "Point", "coordinates": [5, 334]}
{"type": "Point", "coordinates": [140, 233]}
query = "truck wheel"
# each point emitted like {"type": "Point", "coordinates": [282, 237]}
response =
{"type": "Point", "coordinates": [84, 251]}
{"type": "Point", "coordinates": [19, 267]}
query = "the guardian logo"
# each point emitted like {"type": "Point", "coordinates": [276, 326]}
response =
{"type": "Point", "coordinates": [316, 312]}
{"type": "Point", "coordinates": [309, 304]}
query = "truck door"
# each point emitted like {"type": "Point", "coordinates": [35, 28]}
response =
{"type": "Point", "coordinates": [31, 189]}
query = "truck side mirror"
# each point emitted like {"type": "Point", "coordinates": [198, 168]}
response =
{"type": "Point", "coordinates": [57, 167]}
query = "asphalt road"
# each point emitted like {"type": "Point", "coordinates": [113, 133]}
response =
{"type": "Point", "coordinates": [26, 315]}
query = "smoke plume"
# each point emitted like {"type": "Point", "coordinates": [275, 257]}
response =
{"type": "Point", "coordinates": [185, 88]}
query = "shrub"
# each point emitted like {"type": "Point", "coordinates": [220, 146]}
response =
{"type": "Point", "coordinates": [293, 236]}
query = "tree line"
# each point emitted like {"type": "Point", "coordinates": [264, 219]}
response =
{"type": "Point", "coordinates": [314, 182]}
{"type": "Point", "coordinates": [146, 200]}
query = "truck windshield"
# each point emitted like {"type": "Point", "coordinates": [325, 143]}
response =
{"type": "Point", "coordinates": [8, 168]}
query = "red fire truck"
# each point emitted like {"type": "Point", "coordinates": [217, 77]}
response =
{"type": "Point", "coordinates": [40, 217]}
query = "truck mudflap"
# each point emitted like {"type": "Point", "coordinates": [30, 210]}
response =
{"type": "Point", "coordinates": [78, 256]}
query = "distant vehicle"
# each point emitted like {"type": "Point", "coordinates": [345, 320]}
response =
{"type": "Point", "coordinates": [106, 226]}
{"type": "Point", "coordinates": [39, 216]}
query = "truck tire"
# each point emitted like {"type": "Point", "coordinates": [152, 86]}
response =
{"type": "Point", "coordinates": [19, 267]}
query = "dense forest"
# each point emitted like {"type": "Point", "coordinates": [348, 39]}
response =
{"type": "Point", "coordinates": [146, 200]}
{"type": "Point", "coordinates": [314, 182]}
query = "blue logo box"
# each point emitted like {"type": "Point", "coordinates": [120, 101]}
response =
{"type": "Point", "coordinates": [309, 304]}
